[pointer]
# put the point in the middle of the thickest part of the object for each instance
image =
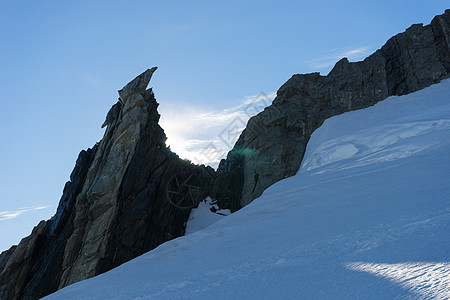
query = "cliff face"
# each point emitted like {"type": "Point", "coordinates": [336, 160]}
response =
{"type": "Point", "coordinates": [272, 145]}
{"type": "Point", "coordinates": [126, 195]}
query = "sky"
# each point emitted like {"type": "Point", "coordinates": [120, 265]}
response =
{"type": "Point", "coordinates": [63, 62]}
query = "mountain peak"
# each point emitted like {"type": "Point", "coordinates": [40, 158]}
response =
{"type": "Point", "coordinates": [137, 85]}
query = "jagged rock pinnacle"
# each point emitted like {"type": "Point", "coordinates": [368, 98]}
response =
{"type": "Point", "coordinates": [122, 201]}
{"type": "Point", "coordinates": [139, 84]}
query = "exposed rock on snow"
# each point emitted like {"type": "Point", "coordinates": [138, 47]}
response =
{"type": "Point", "coordinates": [206, 214]}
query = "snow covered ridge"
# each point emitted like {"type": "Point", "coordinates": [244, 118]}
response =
{"type": "Point", "coordinates": [366, 217]}
{"type": "Point", "coordinates": [387, 131]}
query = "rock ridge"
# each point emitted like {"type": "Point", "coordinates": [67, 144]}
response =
{"type": "Point", "coordinates": [272, 145]}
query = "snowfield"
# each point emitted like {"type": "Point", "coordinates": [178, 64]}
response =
{"type": "Point", "coordinates": [366, 217]}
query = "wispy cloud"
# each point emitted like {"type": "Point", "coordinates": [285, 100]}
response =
{"type": "Point", "coordinates": [11, 214]}
{"type": "Point", "coordinates": [205, 137]}
{"type": "Point", "coordinates": [170, 31]}
{"type": "Point", "coordinates": [329, 58]}
{"type": "Point", "coordinates": [92, 80]}
{"type": "Point", "coordinates": [180, 29]}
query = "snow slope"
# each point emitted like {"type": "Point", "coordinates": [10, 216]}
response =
{"type": "Point", "coordinates": [366, 217]}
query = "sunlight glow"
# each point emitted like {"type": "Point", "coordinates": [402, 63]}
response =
{"type": "Point", "coordinates": [427, 279]}
{"type": "Point", "coordinates": [205, 137]}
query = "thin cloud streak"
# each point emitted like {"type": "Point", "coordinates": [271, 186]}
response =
{"type": "Point", "coordinates": [205, 137]}
{"type": "Point", "coordinates": [11, 214]}
{"type": "Point", "coordinates": [92, 80]}
{"type": "Point", "coordinates": [328, 59]}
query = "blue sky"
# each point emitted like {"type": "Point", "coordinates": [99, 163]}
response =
{"type": "Point", "coordinates": [63, 62]}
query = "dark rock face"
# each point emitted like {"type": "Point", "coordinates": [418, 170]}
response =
{"type": "Point", "coordinates": [272, 146]}
{"type": "Point", "coordinates": [126, 195]}
{"type": "Point", "coordinates": [31, 267]}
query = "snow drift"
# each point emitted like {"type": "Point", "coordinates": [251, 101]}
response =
{"type": "Point", "coordinates": [366, 217]}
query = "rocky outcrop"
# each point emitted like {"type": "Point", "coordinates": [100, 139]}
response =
{"type": "Point", "coordinates": [126, 195]}
{"type": "Point", "coordinates": [271, 147]}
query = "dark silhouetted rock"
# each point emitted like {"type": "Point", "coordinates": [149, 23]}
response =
{"type": "Point", "coordinates": [126, 196]}
{"type": "Point", "coordinates": [272, 146]}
